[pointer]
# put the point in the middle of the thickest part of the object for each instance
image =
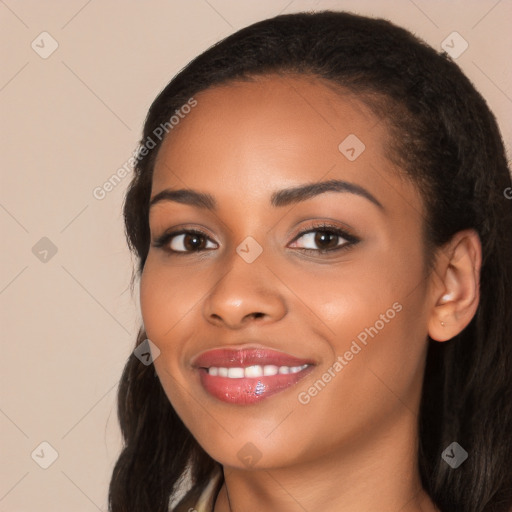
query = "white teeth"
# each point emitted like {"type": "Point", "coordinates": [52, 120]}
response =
{"type": "Point", "coordinates": [270, 369]}
{"type": "Point", "coordinates": [236, 373]}
{"type": "Point", "coordinates": [254, 371]}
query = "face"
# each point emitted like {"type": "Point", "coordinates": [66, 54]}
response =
{"type": "Point", "coordinates": [289, 299]}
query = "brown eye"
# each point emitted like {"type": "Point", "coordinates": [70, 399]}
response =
{"type": "Point", "coordinates": [326, 239]}
{"type": "Point", "coordinates": [323, 240]}
{"type": "Point", "coordinates": [190, 242]}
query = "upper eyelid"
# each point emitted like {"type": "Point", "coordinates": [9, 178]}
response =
{"type": "Point", "coordinates": [184, 231]}
{"type": "Point", "coordinates": [323, 227]}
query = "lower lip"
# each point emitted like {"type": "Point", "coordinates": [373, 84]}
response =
{"type": "Point", "coordinates": [246, 391]}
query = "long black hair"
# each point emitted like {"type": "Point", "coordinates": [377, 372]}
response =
{"type": "Point", "coordinates": [446, 140]}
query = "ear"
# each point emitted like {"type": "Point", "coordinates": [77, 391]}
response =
{"type": "Point", "coordinates": [455, 286]}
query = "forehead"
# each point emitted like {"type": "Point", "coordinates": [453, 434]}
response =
{"type": "Point", "coordinates": [244, 140]}
{"type": "Point", "coordinates": [269, 123]}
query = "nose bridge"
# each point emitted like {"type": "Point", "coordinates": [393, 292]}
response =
{"type": "Point", "coordinates": [247, 289]}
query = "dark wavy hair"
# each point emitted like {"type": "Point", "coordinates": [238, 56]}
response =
{"type": "Point", "coordinates": [446, 140]}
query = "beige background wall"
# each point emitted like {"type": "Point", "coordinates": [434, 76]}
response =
{"type": "Point", "coordinates": [69, 121]}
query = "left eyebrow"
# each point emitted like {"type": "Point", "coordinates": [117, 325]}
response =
{"type": "Point", "coordinates": [281, 198]}
{"type": "Point", "coordinates": [296, 194]}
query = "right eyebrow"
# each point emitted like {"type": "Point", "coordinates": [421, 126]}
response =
{"type": "Point", "coordinates": [185, 196]}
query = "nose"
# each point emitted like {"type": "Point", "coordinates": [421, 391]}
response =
{"type": "Point", "coordinates": [246, 293]}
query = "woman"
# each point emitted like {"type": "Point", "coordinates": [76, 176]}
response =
{"type": "Point", "coordinates": [320, 218]}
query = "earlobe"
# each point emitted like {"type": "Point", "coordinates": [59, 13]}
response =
{"type": "Point", "coordinates": [455, 286]}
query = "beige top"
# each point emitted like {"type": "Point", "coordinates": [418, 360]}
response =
{"type": "Point", "coordinates": [204, 503]}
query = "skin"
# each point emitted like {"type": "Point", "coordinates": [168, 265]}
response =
{"type": "Point", "coordinates": [353, 446]}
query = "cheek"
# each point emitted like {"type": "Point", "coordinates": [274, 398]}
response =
{"type": "Point", "coordinates": [373, 310]}
{"type": "Point", "coordinates": [154, 302]}
{"type": "Point", "coordinates": [167, 295]}
{"type": "Point", "coordinates": [374, 373]}
{"type": "Point", "coordinates": [351, 296]}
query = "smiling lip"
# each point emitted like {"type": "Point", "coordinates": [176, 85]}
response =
{"type": "Point", "coordinates": [271, 371]}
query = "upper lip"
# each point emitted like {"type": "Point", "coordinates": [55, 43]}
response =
{"type": "Point", "coordinates": [247, 356]}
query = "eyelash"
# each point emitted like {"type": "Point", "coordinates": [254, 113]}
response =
{"type": "Point", "coordinates": [351, 240]}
